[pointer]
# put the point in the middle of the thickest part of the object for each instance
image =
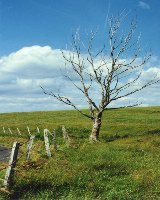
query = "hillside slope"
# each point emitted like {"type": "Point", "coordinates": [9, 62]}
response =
{"type": "Point", "coordinates": [123, 165]}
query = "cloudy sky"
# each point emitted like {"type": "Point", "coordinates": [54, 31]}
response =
{"type": "Point", "coordinates": [32, 32]}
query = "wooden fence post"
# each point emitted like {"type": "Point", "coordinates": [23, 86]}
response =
{"type": "Point", "coordinates": [4, 130]}
{"type": "Point", "coordinates": [11, 165]}
{"type": "Point", "coordinates": [38, 129]}
{"type": "Point", "coordinates": [54, 140]}
{"type": "Point", "coordinates": [29, 146]}
{"type": "Point", "coordinates": [65, 135]}
{"type": "Point", "coordinates": [29, 131]}
{"type": "Point", "coordinates": [10, 131]}
{"type": "Point", "coordinates": [46, 141]}
{"type": "Point", "coordinates": [18, 131]}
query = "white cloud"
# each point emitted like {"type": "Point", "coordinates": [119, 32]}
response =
{"type": "Point", "coordinates": [31, 61]}
{"type": "Point", "coordinates": [23, 71]}
{"type": "Point", "coordinates": [144, 5]}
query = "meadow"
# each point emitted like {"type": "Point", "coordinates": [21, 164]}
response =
{"type": "Point", "coordinates": [123, 165]}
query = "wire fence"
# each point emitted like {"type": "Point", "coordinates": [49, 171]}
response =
{"type": "Point", "coordinates": [18, 131]}
{"type": "Point", "coordinates": [11, 154]}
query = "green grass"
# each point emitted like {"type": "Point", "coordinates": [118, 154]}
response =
{"type": "Point", "coordinates": [123, 165]}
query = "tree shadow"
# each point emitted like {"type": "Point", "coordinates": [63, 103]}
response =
{"type": "Point", "coordinates": [154, 132]}
{"type": "Point", "coordinates": [34, 188]}
{"type": "Point", "coordinates": [114, 137]}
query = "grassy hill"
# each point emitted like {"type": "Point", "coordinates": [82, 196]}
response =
{"type": "Point", "coordinates": [123, 165]}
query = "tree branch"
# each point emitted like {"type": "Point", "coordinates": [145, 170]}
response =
{"type": "Point", "coordinates": [66, 101]}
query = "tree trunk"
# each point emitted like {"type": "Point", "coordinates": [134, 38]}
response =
{"type": "Point", "coordinates": [96, 126]}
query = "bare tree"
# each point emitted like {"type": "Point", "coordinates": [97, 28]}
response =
{"type": "Point", "coordinates": [109, 71]}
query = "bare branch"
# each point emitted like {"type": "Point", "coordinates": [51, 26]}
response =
{"type": "Point", "coordinates": [136, 90]}
{"type": "Point", "coordinates": [66, 101]}
{"type": "Point", "coordinates": [129, 106]}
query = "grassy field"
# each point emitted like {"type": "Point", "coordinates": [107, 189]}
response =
{"type": "Point", "coordinates": [124, 164]}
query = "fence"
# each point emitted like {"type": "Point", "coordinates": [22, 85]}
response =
{"type": "Point", "coordinates": [14, 151]}
{"type": "Point", "coordinates": [9, 131]}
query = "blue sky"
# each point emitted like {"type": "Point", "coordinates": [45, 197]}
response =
{"type": "Point", "coordinates": [30, 30]}
{"type": "Point", "coordinates": [51, 22]}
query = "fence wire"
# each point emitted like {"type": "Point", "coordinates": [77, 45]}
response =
{"type": "Point", "coordinates": [5, 152]}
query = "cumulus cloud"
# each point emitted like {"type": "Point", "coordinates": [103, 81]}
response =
{"type": "Point", "coordinates": [144, 5]}
{"type": "Point", "coordinates": [22, 72]}
{"type": "Point", "coordinates": [31, 61]}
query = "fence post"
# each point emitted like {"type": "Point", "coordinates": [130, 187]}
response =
{"type": "Point", "coordinates": [54, 140]}
{"type": "Point", "coordinates": [10, 131]}
{"type": "Point", "coordinates": [11, 165]}
{"type": "Point", "coordinates": [29, 146]}
{"type": "Point", "coordinates": [38, 129]}
{"type": "Point", "coordinates": [65, 135]}
{"type": "Point", "coordinates": [4, 130]}
{"type": "Point", "coordinates": [18, 131]}
{"type": "Point", "coordinates": [29, 131]}
{"type": "Point", "coordinates": [46, 141]}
